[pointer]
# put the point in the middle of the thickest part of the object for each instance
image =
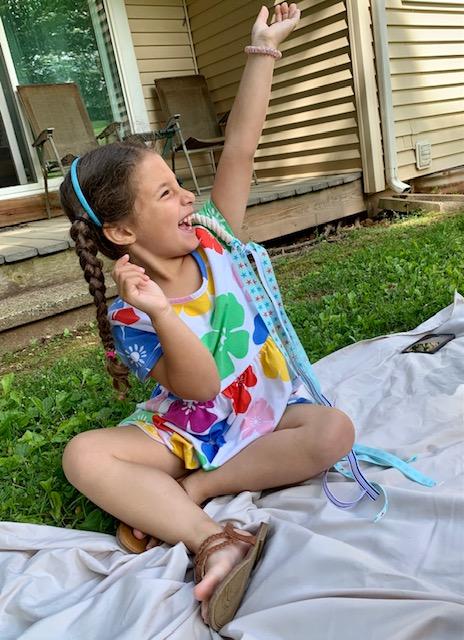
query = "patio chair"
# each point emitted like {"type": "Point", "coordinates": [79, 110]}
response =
{"type": "Point", "coordinates": [60, 125]}
{"type": "Point", "coordinates": [189, 112]}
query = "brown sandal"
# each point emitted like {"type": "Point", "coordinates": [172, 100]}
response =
{"type": "Point", "coordinates": [127, 540]}
{"type": "Point", "coordinates": [229, 594]}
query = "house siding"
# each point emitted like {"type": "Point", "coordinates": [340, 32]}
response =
{"type": "Point", "coordinates": [162, 46]}
{"type": "Point", "coordinates": [311, 126]}
{"type": "Point", "coordinates": [163, 49]}
{"type": "Point", "coordinates": [427, 75]}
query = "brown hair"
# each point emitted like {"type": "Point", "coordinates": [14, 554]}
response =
{"type": "Point", "coordinates": [105, 177]}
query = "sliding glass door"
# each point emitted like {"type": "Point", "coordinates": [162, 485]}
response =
{"type": "Point", "coordinates": [51, 41]}
{"type": "Point", "coordinates": [15, 160]}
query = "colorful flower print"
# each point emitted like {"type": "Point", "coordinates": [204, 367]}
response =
{"type": "Point", "coordinates": [117, 304]}
{"type": "Point", "coordinates": [258, 419]}
{"type": "Point", "coordinates": [260, 333]}
{"type": "Point", "coordinates": [273, 362]}
{"type": "Point", "coordinates": [191, 416]}
{"type": "Point", "coordinates": [184, 450]}
{"type": "Point", "coordinates": [298, 401]}
{"type": "Point", "coordinates": [126, 316]}
{"type": "Point", "coordinates": [225, 338]}
{"type": "Point", "coordinates": [151, 431]}
{"type": "Point", "coordinates": [196, 307]}
{"type": "Point", "coordinates": [208, 241]}
{"type": "Point", "coordinates": [156, 391]}
{"type": "Point", "coordinates": [204, 462]}
{"type": "Point", "coordinates": [211, 287]}
{"type": "Point", "coordinates": [237, 391]}
{"type": "Point", "coordinates": [138, 416]}
{"type": "Point", "coordinates": [160, 423]}
{"type": "Point", "coordinates": [214, 439]}
{"type": "Point", "coordinates": [137, 354]}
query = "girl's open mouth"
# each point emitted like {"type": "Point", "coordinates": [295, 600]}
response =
{"type": "Point", "coordinates": [186, 224]}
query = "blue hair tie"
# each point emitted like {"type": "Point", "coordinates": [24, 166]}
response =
{"type": "Point", "coordinates": [80, 195]}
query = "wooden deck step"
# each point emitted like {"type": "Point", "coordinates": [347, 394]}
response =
{"type": "Point", "coordinates": [406, 203]}
{"type": "Point", "coordinates": [44, 237]}
{"type": "Point", "coordinates": [42, 290]}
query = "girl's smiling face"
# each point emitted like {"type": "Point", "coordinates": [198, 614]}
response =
{"type": "Point", "coordinates": [161, 224]}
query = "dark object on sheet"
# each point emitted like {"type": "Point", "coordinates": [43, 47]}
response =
{"type": "Point", "coordinates": [430, 343]}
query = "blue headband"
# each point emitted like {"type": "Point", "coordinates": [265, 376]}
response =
{"type": "Point", "coordinates": [80, 195]}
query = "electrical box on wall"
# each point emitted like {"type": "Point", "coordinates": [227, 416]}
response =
{"type": "Point", "coordinates": [423, 155]}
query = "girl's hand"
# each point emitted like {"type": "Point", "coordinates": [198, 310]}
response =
{"type": "Point", "coordinates": [286, 18]}
{"type": "Point", "coordinates": [136, 288]}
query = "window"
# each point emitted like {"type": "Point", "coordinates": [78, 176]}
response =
{"type": "Point", "coordinates": [62, 41]}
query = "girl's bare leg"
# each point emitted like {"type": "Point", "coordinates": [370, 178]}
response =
{"type": "Point", "coordinates": [308, 440]}
{"type": "Point", "coordinates": [131, 476]}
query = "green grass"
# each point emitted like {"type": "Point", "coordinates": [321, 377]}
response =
{"type": "Point", "coordinates": [372, 281]}
{"type": "Point", "coordinates": [40, 411]}
{"type": "Point", "coordinates": [99, 125]}
{"type": "Point", "coordinates": [377, 280]}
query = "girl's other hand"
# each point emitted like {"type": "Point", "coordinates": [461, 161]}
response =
{"type": "Point", "coordinates": [286, 17]}
{"type": "Point", "coordinates": [137, 289]}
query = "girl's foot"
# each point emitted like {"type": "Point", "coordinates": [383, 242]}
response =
{"type": "Point", "coordinates": [152, 542]}
{"type": "Point", "coordinates": [218, 565]}
{"type": "Point", "coordinates": [222, 575]}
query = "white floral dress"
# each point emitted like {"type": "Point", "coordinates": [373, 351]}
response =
{"type": "Point", "coordinates": [256, 386]}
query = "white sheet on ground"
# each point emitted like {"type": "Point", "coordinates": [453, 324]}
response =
{"type": "Point", "coordinates": [326, 573]}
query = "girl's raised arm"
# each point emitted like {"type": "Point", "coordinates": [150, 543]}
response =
{"type": "Point", "coordinates": [232, 183]}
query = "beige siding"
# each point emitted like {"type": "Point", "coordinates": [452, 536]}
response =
{"type": "Point", "coordinates": [366, 92]}
{"type": "Point", "coordinates": [426, 44]}
{"type": "Point", "coordinates": [163, 49]}
{"type": "Point", "coordinates": [311, 126]}
{"type": "Point", "coordinates": [161, 44]}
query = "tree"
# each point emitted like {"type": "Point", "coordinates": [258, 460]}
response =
{"type": "Point", "coordinates": [54, 41]}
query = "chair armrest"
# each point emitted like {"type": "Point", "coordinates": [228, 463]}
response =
{"type": "Point", "coordinates": [108, 131]}
{"type": "Point", "coordinates": [151, 136]}
{"type": "Point", "coordinates": [223, 119]}
{"type": "Point", "coordinates": [142, 137]}
{"type": "Point", "coordinates": [43, 136]}
{"type": "Point", "coordinates": [173, 123]}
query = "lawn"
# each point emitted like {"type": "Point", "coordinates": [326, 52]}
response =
{"type": "Point", "coordinates": [371, 281]}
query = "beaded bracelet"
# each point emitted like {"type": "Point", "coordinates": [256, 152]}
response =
{"type": "Point", "coordinates": [265, 51]}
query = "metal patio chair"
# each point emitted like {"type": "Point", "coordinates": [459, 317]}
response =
{"type": "Point", "coordinates": [61, 126]}
{"type": "Point", "coordinates": [189, 112]}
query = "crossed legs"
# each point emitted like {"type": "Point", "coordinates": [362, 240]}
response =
{"type": "Point", "coordinates": [133, 477]}
{"type": "Point", "coordinates": [307, 440]}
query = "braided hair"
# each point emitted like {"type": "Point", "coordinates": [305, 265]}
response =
{"type": "Point", "coordinates": [105, 177]}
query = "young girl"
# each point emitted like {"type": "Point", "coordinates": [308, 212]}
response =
{"type": "Point", "coordinates": [226, 410]}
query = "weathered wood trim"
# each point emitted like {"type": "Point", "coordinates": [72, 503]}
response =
{"type": "Point", "coordinates": [365, 90]}
{"type": "Point", "coordinates": [123, 47]}
{"type": "Point", "coordinates": [282, 217]}
{"type": "Point", "coordinates": [418, 202]}
{"type": "Point", "coordinates": [313, 81]}
{"type": "Point", "coordinates": [17, 210]}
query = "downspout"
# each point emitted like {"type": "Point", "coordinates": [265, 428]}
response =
{"type": "Point", "coordinates": [382, 60]}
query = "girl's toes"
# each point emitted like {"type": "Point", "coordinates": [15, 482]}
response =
{"type": "Point", "coordinates": [138, 534]}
